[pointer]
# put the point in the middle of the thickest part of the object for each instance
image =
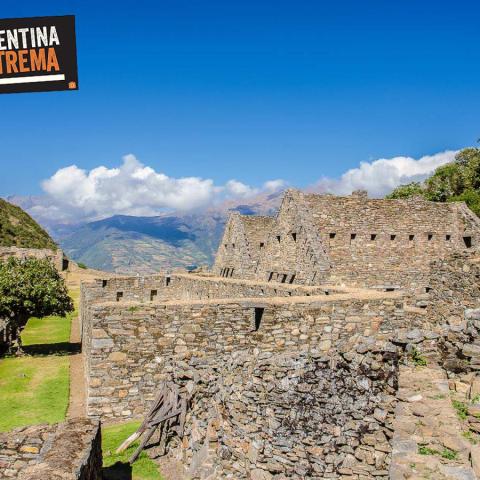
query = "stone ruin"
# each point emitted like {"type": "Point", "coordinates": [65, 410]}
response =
{"type": "Point", "coordinates": [65, 451]}
{"type": "Point", "coordinates": [297, 350]}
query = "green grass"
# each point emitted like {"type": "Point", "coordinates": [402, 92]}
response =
{"type": "Point", "coordinates": [33, 390]}
{"type": "Point", "coordinates": [48, 330]}
{"type": "Point", "coordinates": [472, 438]}
{"type": "Point", "coordinates": [449, 454]}
{"type": "Point", "coordinates": [461, 409]}
{"type": "Point", "coordinates": [112, 436]}
{"type": "Point", "coordinates": [445, 453]}
{"type": "Point", "coordinates": [418, 359]}
{"type": "Point", "coordinates": [423, 450]}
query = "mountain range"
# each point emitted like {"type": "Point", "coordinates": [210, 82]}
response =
{"type": "Point", "coordinates": [131, 244]}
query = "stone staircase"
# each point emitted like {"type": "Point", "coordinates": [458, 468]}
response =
{"type": "Point", "coordinates": [432, 438]}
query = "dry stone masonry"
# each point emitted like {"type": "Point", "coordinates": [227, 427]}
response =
{"type": "Point", "coordinates": [353, 240]}
{"type": "Point", "coordinates": [65, 451]}
{"type": "Point", "coordinates": [292, 348]}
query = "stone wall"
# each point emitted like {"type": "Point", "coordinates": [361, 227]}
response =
{"type": "Point", "coordinates": [354, 240]}
{"type": "Point", "coordinates": [70, 450]}
{"type": "Point", "coordinates": [294, 251]}
{"type": "Point", "coordinates": [126, 344]}
{"type": "Point", "coordinates": [56, 256]}
{"type": "Point", "coordinates": [242, 245]}
{"type": "Point", "coordinates": [162, 288]}
{"type": "Point", "coordinates": [454, 285]}
{"type": "Point", "coordinates": [298, 415]}
{"type": "Point", "coordinates": [4, 336]}
{"type": "Point", "coordinates": [377, 241]}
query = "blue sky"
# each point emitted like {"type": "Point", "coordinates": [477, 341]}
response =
{"type": "Point", "coordinates": [249, 90]}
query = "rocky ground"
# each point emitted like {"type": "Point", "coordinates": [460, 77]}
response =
{"type": "Point", "coordinates": [433, 436]}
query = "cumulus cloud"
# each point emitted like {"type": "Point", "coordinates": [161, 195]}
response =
{"type": "Point", "coordinates": [132, 189]}
{"type": "Point", "coordinates": [381, 176]}
{"type": "Point", "coordinates": [76, 194]}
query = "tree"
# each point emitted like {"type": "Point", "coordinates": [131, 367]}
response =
{"type": "Point", "coordinates": [452, 182]}
{"type": "Point", "coordinates": [31, 287]}
{"type": "Point", "coordinates": [408, 190]}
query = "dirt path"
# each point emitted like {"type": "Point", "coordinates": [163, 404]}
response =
{"type": "Point", "coordinates": [76, 406]}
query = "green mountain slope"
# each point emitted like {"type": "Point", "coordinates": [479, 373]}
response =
{"type": "Point", "coordinates": [17, 228]}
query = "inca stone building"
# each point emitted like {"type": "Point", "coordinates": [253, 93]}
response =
{"type": "Point", "coordinates": [351, 240]}
{"type": "Point", "coordinates": [286, 349]}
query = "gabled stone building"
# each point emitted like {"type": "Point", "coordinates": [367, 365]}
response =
{"type": "Point", "coordinates": [351, 240]}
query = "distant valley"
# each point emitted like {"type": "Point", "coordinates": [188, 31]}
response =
{"type": "Point", "coordinates": [128, 244]}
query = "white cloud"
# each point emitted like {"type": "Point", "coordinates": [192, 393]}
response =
{"type": "Point", "coordinates": [272, 186]}
{"type": "Point", "coordinates": [381, 176]}
{"type": "Point", "coordinates": [75, 194]}
{"type": "Point", "coordinates": [132, 189]}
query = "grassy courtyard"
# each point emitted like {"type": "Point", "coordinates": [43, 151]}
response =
{"type": "Point", "coordinates": [116, 465]}
{"type": "Point", "coordinates": [35, 388]}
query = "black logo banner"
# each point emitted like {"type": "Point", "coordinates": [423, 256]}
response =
{"type": "Point", "coordinates": [38, 54]}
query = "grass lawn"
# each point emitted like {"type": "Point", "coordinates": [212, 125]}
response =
{"type": "Point", "coordinates": [116, 465]}
{"type": "Point", "coordinates": [35, 389]}
{"type": "Point", "coordinates": [48, 330]}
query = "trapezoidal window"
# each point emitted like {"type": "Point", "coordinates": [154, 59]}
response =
{"type": "Point", "coordinates": [233, 245]}
{"type": "Point", "coordinates": [447, 238]}
{"type": "Point", "coordinates": [167, 281]}
{"type": "Point", "coordinates": [153, 295]}
{"type": "Point", "coordinates": [332, 235]}
{"type": "Point", "coordinates": [411, 238]}
{"type": "Point", "coordinates": [258, 314]}
{"type": "Point", "coordinates": [104, 283]}
{"type": "Point", "coordinates": [430, 237]}
{"type": "Point", "coordinates": [262, 244]}
{"type": "Point", "coordinates": [393, 237]}
{"type": "Point", "coordinates": [294, 237]}
{"type": "Point", "coordinates": [279, 238]}
{"type": "Point", "coordinates": [353, 236]}
{"type": "Point", "coordinates": [373, 236]}
{"type": "Point", "coordinates": [119, 296]}
{"type": "Point", "coordinates": [467, 241]}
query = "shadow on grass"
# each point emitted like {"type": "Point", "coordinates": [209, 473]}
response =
{"type": "Point", "coordinates": [43, 349]}
{"type": "Point", "coordinates": [118, 471]}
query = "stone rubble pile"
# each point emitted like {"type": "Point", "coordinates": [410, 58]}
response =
{"type": "Point", "coordinates": [305, 415]}
{"type": "Point", "coordinates": [276, 416]}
